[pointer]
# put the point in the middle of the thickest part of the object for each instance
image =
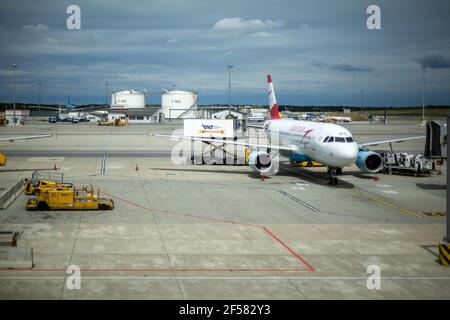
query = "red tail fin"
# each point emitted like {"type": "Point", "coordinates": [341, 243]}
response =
{"type": "Point", "coordinates": [272, 100]}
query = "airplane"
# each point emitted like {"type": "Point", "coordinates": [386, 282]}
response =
{"type": "Point", "coordinates": [74, 108]}
{"type": "Point", "coordinates": [330, 144]}
{"type": "Point", "coordinates": [11, 139]}
{"type": "Point", "coordinates": [70, 106]}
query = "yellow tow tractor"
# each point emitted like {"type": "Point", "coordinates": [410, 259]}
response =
{"type": "Point", "coordinates": [69, 199]}
{"type": "Point", "coordinates": [44, 180]}
{"type": "Point", "coordinates": [2, 159]}
{"type": "Point", "coordinates": [120, 123]}
{"type": "Point", "coordinates": [34, 187]}
{"type": "Point", "coordinates": [306, 164]}
{"type": "Point", "coordinates": [115, 123]}
{"type": "Point", "coordinates": [105, 123]}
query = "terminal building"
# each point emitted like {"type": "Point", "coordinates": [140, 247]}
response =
{"type": "Point", "coordinates": [143, 116]}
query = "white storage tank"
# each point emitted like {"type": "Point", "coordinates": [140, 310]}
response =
{"type": "Point", "coordinates": [127, 99]}
{"type": "Point", "coordinates": [179, 104]}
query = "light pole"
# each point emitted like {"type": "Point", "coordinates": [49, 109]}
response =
{"type": "Point", "coordinates": [362, 100]}
{"type": "Point", "coordinates": [424, 69]}
{"type": "Point", "coordinates": [14, 66]}
{"type": "Point", "coordinates": [106, 94]}
{"type": "Point", "coordinates": [39, 97]}
{"type": "Point", "coordinates": [229, 66]}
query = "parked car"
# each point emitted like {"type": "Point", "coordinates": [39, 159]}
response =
{"type": "Point", "coordinates": [52, 119]}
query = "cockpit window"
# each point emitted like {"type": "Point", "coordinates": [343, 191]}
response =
{"type": "Point", "coordinates": [331, 139]}
{"type": "Point", "coordinates": [326, 139]}
{"type": "Point", "coordinates": [349, 139]}
{"type": "Point", "coordinates": [339, 139]}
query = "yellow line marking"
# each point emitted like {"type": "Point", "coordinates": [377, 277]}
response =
{"type": "Point", "coordinates": [416, 214]}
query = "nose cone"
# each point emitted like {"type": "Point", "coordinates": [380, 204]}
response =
{"type": "Point", "coordinates": [345, 154]}
{"type": "Point", "coordinates": [352, 152]}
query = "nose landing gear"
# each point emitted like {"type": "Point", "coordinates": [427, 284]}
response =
{"type": "Point", "coordinates": [332, 172]}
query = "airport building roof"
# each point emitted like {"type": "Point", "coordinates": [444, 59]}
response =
{"type": "Point", "coordinates": [135, 112]}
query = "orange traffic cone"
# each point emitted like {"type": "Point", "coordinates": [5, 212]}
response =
{"type": "Point", "coordinates": [261, 177]}
{"type": "Point", "coordinates": [376, 178]}
{"type": "Point", "coordinates": [54, 167]}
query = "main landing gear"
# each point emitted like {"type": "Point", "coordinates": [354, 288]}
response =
{"type": "Point", "coordinates": [332, 173]}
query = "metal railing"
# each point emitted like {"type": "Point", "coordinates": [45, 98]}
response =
{"type": "Point", "coordinates": [8, 196]}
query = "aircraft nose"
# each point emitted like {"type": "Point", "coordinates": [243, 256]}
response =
{"type": "Point", "coordinates": [347, 153]}
{"type": "Point", "coordinates": [351, 153]}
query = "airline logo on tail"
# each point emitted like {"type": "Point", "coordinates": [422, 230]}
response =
{"type": "Point", "coordinates": [272, 100]}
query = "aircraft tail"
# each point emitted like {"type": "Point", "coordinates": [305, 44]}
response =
{"type": "Point", "coordinates": [272, 100]}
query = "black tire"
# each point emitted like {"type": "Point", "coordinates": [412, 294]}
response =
{"type": "Point", "coordinates": [42, 206]}
{"type": "Point", "coordinates": [339, 171]}
{"type": "Point", "coordinates": [103, 207]}
{"type": "Point", "coordinates": [309, 164]}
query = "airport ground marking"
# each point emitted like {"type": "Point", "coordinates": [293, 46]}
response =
{"type": "Point", "coordinates": [154, 270]}
{"type": "Point", "coordinates": [357, 192]}
{"type": "Point", "coordinates": [303, 203]}
{"type": "Point", "coordinates": [165, 212]}
{"type": "Point", "coordinates": [207, 278]}
{"type": "Point", "coordinates": [296, 255]}
{"type": "Point", "coordinates": [308, 266]}
{"type": "Point", "coordinates": [389, 204]}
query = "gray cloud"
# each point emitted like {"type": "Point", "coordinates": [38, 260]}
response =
{"type": "Point", "coordinates": [434, 61]}
{"type": "Point", "coordinates": [35, 28]}
{"type": "Point", "coordinates": [135, 46]}
{"type": "Point", "coordinates": [173, 40]}
{"type": "Point", "coordinates": [342, 67]}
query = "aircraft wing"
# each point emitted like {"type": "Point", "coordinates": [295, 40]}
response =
{"type": "Point", "coordinates": [238, 143]}
{"type": "Point", "coordinates": [11, 139]}
{"type": "Point", "coordinates": [254, 126]}
{"type": "Point", "coordinates": [375, 143]}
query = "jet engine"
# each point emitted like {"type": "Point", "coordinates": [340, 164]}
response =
{"type": "Point", "coordinates": [260, 161]}
{"type": "Point", "coordinates": [369, 161]}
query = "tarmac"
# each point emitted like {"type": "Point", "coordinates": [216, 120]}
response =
{"type": "Point", "coordinates": [184, 231]}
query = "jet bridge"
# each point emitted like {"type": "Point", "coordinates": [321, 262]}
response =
{"type": "Point", "coordinates": [436, 140]}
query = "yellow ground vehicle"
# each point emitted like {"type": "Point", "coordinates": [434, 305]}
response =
{"type": "Point", "coordinates": [2, 159]}
{"type": "Point", "coordinates": [120, 123]}
{"type": "Point", "coordinates": [69, 199]}
{"type": "Point", "coordinates": [35, 186]}
{"type": "Point", "coordinates": [44, 179]}
{"type": "Point", "coordinates": [105, 123]}
{"type": "Point", "coordinates": [306, 164]}
{"type": "Point", "coordinates": [115, 123]}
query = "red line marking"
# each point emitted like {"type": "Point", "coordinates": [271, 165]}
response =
{"type": "Point", "coordinates": [295, 254]}
{"type": "Point", "coordinates": [161, 212]}
{"type": "Point", "coordinates": [160, 270]}
{"type": "Point", "coordinates": [273, 236]}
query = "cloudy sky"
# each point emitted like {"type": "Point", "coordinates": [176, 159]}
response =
{"type": "Point", "coordinates": [319, 52]}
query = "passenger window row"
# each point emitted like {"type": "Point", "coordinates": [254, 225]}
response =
{"type": "Point", "coordinates": [338, 139]}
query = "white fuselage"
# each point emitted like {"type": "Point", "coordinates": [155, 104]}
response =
{"type": "Point", "coordinates": [329, 144]}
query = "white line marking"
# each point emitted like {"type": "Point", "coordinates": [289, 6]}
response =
{"type": "Point", "coordinates": [146, 277]}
